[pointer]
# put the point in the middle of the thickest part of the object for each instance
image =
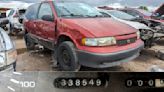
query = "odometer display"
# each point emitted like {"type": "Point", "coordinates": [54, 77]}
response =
{"type": "Point", "coordinates": [79, 82]}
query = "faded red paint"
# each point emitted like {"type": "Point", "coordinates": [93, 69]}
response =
{"type": "Point", "coordinates": [78, 28]}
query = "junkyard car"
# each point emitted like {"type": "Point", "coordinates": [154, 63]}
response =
{"type": "Point", "coordinates": [3, 23]}
{"type": "Point", "coordinates": [147, 33]}
{"type": "Point", "coordinates": [80, 35]}
{"type": "Point", "coordinates": [14, 25]}
{"type": "Point", "coordinates": [146, 18]}
{"type": "Point", "coordinates": [159, 13]}
{"type": "Point", "coordinates": [137, 12]}
{"type": "Point", "coordinates": [8, 54]}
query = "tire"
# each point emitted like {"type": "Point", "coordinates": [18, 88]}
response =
{"type": "Point", "coordinates": [30, 45]}
{"type": "Point", "coordinates": [10, 29]}
{"type": "Point", "coordinates": [67, 57]}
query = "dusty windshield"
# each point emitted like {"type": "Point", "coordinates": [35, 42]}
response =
{"type": "Point", "coordinates": [75, 9]}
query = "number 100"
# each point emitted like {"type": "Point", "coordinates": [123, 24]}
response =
{"type": "Point", "coordinates": [27, 84]}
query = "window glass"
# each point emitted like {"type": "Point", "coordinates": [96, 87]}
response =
{"type": "Point", "coordinates": [32, 11]}
{"type": "Point", "coordinates": [121, 15]}
{"type": "Point", "coordinates": [45, 9]}
{"type": "Point", "coordinates": [11, 13]}
{"type": "Point", "coordinates": [72, 9]}
{"type": "Point", "coordinates": [133, 13]}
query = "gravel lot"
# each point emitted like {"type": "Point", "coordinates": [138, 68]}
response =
{"type": "Point", "coordinates": [41, 60]}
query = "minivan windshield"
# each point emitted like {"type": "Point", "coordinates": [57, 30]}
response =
{"type": "Point", "coordinates": [72, 10]}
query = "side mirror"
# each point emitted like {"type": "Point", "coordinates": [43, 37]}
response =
{"type": "Point", "coordinates": [47, 18]}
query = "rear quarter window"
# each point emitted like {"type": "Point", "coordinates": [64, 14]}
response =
{"type": "Point", "coordinates": [11, 13]}
{"type": "Point", "coordinates": [31, 12]}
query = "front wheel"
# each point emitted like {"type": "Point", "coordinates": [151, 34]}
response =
{"type": "Point", "coordinates": [11, 30]}
{"type": "Point", "coordinates": [29, 42]}
{"type": "Point", "coordinates": [67, 57]}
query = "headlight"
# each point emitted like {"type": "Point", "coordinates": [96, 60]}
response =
{"type": "Point", "coordinates": [2, 59]}
{"type": "Point", "coordinates": [138, 34]}
{"type": "Point", "coordinates": [7, 58]}
{"type": "Point", "coordinates": [146, 34]}
{"type": "Point", "coordinates": [11, 56]}
{"type": "Point", "coordinates": [106, 41]}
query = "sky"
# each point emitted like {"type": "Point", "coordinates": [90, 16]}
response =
{"type": "Point", "coordinates": [128, 2]}
{"type": "Point", "coordinates": [132, 3]}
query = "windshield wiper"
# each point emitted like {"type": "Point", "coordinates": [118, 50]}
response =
{"type": "Point", "coordinates": [73, 15]}
{"type": "Point", "coordinates": [134, 19]}
{"type": "Point", "coordinates": [94, 16]}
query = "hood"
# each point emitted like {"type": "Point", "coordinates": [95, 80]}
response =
{"type": "Point", "coordinates": [100, 27]}
{"type": "Point", "coordinates": [136, 25]}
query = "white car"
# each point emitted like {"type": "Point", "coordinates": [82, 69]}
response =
{"type": "Point", "coordinates": [147, 33]}
{"type": "Point", "coordinates": [8, 53]}
{"type": "Point", "coordinates": [13, 17]}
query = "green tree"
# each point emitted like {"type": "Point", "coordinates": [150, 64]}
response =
{"type": "Point", "coordinates": [143, 7]}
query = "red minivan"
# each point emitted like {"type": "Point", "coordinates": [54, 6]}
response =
{"type": "Point", "coordinates": [80, 35]}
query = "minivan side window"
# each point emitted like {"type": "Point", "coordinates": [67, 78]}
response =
{"type": "Point", "coordinates": [32, 11]}
{"type": "Point", "coordinates": [45, 9]}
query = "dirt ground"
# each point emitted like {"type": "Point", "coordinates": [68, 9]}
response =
{"type": "Point", "coordinates": [41, 61]}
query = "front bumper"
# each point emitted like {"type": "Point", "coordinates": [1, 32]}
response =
{"type": "Point", "coordinates": [9, 68]}
{"type": "Point", "coordinates": [18, 26]}
{"type": "Point", "coordinates": [158, 35]}
{"type": "Point", "coordinates": [96, 60]}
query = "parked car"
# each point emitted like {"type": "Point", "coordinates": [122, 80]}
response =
{"type": "Point", "coordinates": [146, 18]}
{"type": "Point", "coordinates": [159, 13]}
{"type": "Point", "coordinates": [14, 25]}
{"type": "Point", "coordinates": [141, 14]}
{"type": "Point", "coordinates": [80, 35]}
{"type": "Point", "coordinates": [3, 23]}
{"type": "Point", "coordinates": [147, 34]}
{"type": "Point", "coordinates": [8, 54]}
{"type": "Point", "coordinates": [137, 12]}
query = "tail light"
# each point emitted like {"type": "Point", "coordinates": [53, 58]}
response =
{"type": "Point", "coordinates": [16, 15]}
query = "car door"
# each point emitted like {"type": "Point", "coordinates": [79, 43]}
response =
{"type": "Point", "coordinates": [30, 18]}
{"type": "Point", "coordinates": [47, 28]}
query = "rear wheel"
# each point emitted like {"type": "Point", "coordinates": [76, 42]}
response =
{"type": "Point", "coordinates": [29, 42]}
{"type": "Point", "coordinates": [67, 57]}
{"type": "Point", "coordinates": [11, 30]}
